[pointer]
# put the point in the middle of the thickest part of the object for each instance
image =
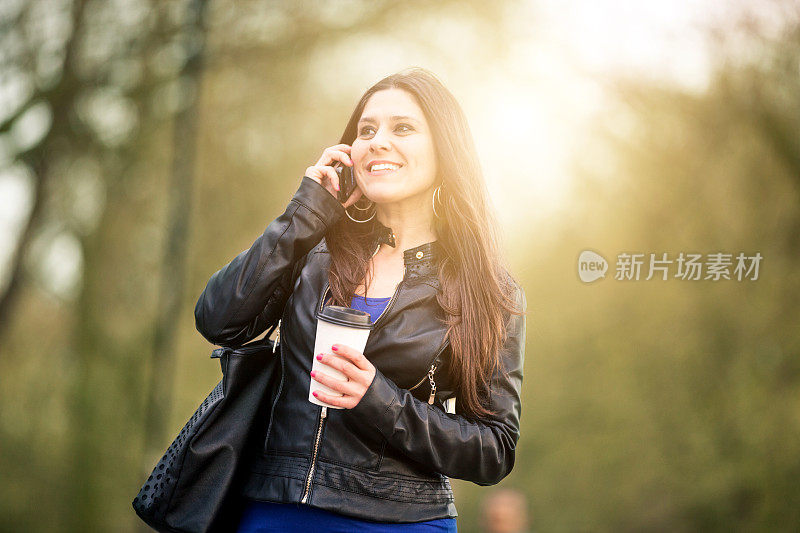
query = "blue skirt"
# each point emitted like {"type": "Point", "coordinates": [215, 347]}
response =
{"type": "Point", "coordinates": [268, 517]}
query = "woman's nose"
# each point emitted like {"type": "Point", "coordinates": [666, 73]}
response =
{"type": "Point", "coordinates": [379, 141]}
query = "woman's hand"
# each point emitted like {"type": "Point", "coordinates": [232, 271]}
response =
{"type": "Point", "coordinates": [359, 371]}
{"type": "Point", "coordinates": [324, 173]}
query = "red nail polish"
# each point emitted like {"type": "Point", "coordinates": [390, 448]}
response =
{"type": "Point", "coordinates": [319, 357]}
{"type": "Point", "coordinates": [335, 348]}
{"type": "Point", "coordinates": [314, 393]}
{"type": "Point", "coordinates": [313, 373]}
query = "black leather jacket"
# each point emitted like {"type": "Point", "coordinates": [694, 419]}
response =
{"type": "Point", "coordinates": [389, 458]}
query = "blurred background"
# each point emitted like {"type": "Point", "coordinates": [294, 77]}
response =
{"type": "Point", "coordinates": [143, 144]}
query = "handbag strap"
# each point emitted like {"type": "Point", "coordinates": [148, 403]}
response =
{"type": "Point", "coordinates": [217, 353]}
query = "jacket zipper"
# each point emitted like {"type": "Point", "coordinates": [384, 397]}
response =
{"type": "Point", "coordinates": [280, 386]}
{"type": "Point", "coordinates": [431, 369]}
{"type": "Point", "coordinates": [433, 383]}
{"type": "Point", "coordinates": [277, 338]}
{"type": "Point", "coordinates": [322, 416]}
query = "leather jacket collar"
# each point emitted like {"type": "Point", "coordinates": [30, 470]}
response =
{"type": "Point", "coordinates": [382, 234]}
{"type": "Point", "coordinates": [420, 260]}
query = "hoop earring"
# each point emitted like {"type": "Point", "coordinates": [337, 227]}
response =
{"type": "Point", "coordinates": [371, 204]}
{"type": "Point", "coordinates": [435, 197]}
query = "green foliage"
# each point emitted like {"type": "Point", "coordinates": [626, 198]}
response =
{"type": "Point", "coordinates": [672, 405]}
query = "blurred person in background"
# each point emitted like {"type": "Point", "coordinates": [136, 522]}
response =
{"type": "Point", "coordinates": [505, 511]}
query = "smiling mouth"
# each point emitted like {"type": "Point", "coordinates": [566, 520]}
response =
{"type": "Point", "coordinates": [390, 167]}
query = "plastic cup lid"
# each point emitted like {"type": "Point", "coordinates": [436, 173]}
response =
{"type": "Point", "coordinates": [344, 316]}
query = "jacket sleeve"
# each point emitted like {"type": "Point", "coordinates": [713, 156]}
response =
{"type": "Point", "coordinates": [481, 451]}
{"type": "Point", "coordinates": [247, 296]}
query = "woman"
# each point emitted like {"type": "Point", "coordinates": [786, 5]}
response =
{"type": "Point", "coordinates": [415, 246]}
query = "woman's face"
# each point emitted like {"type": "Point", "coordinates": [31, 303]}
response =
{"type": "Point", "coordinates": [393, 153]}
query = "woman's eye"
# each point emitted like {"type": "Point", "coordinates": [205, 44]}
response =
{"type": "Point", "coordinates": [370, 130]}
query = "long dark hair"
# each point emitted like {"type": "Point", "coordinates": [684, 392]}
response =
{"type": "Point", "coordinates": [477, 290]}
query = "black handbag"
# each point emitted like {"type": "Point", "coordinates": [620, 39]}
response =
{"type": "Point", "coordinates": [194, 487]}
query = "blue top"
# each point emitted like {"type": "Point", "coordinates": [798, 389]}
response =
{"type": "Point", "coordinates": [268, 517]}
{"type": "Point", "coordinates": [373, 306]}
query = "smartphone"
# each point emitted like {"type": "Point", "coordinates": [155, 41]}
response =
{"type": "Point", "coordinates": [347, 182]}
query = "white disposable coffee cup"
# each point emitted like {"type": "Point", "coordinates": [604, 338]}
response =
{"type": "Point", "coordinates": [336, 325]}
